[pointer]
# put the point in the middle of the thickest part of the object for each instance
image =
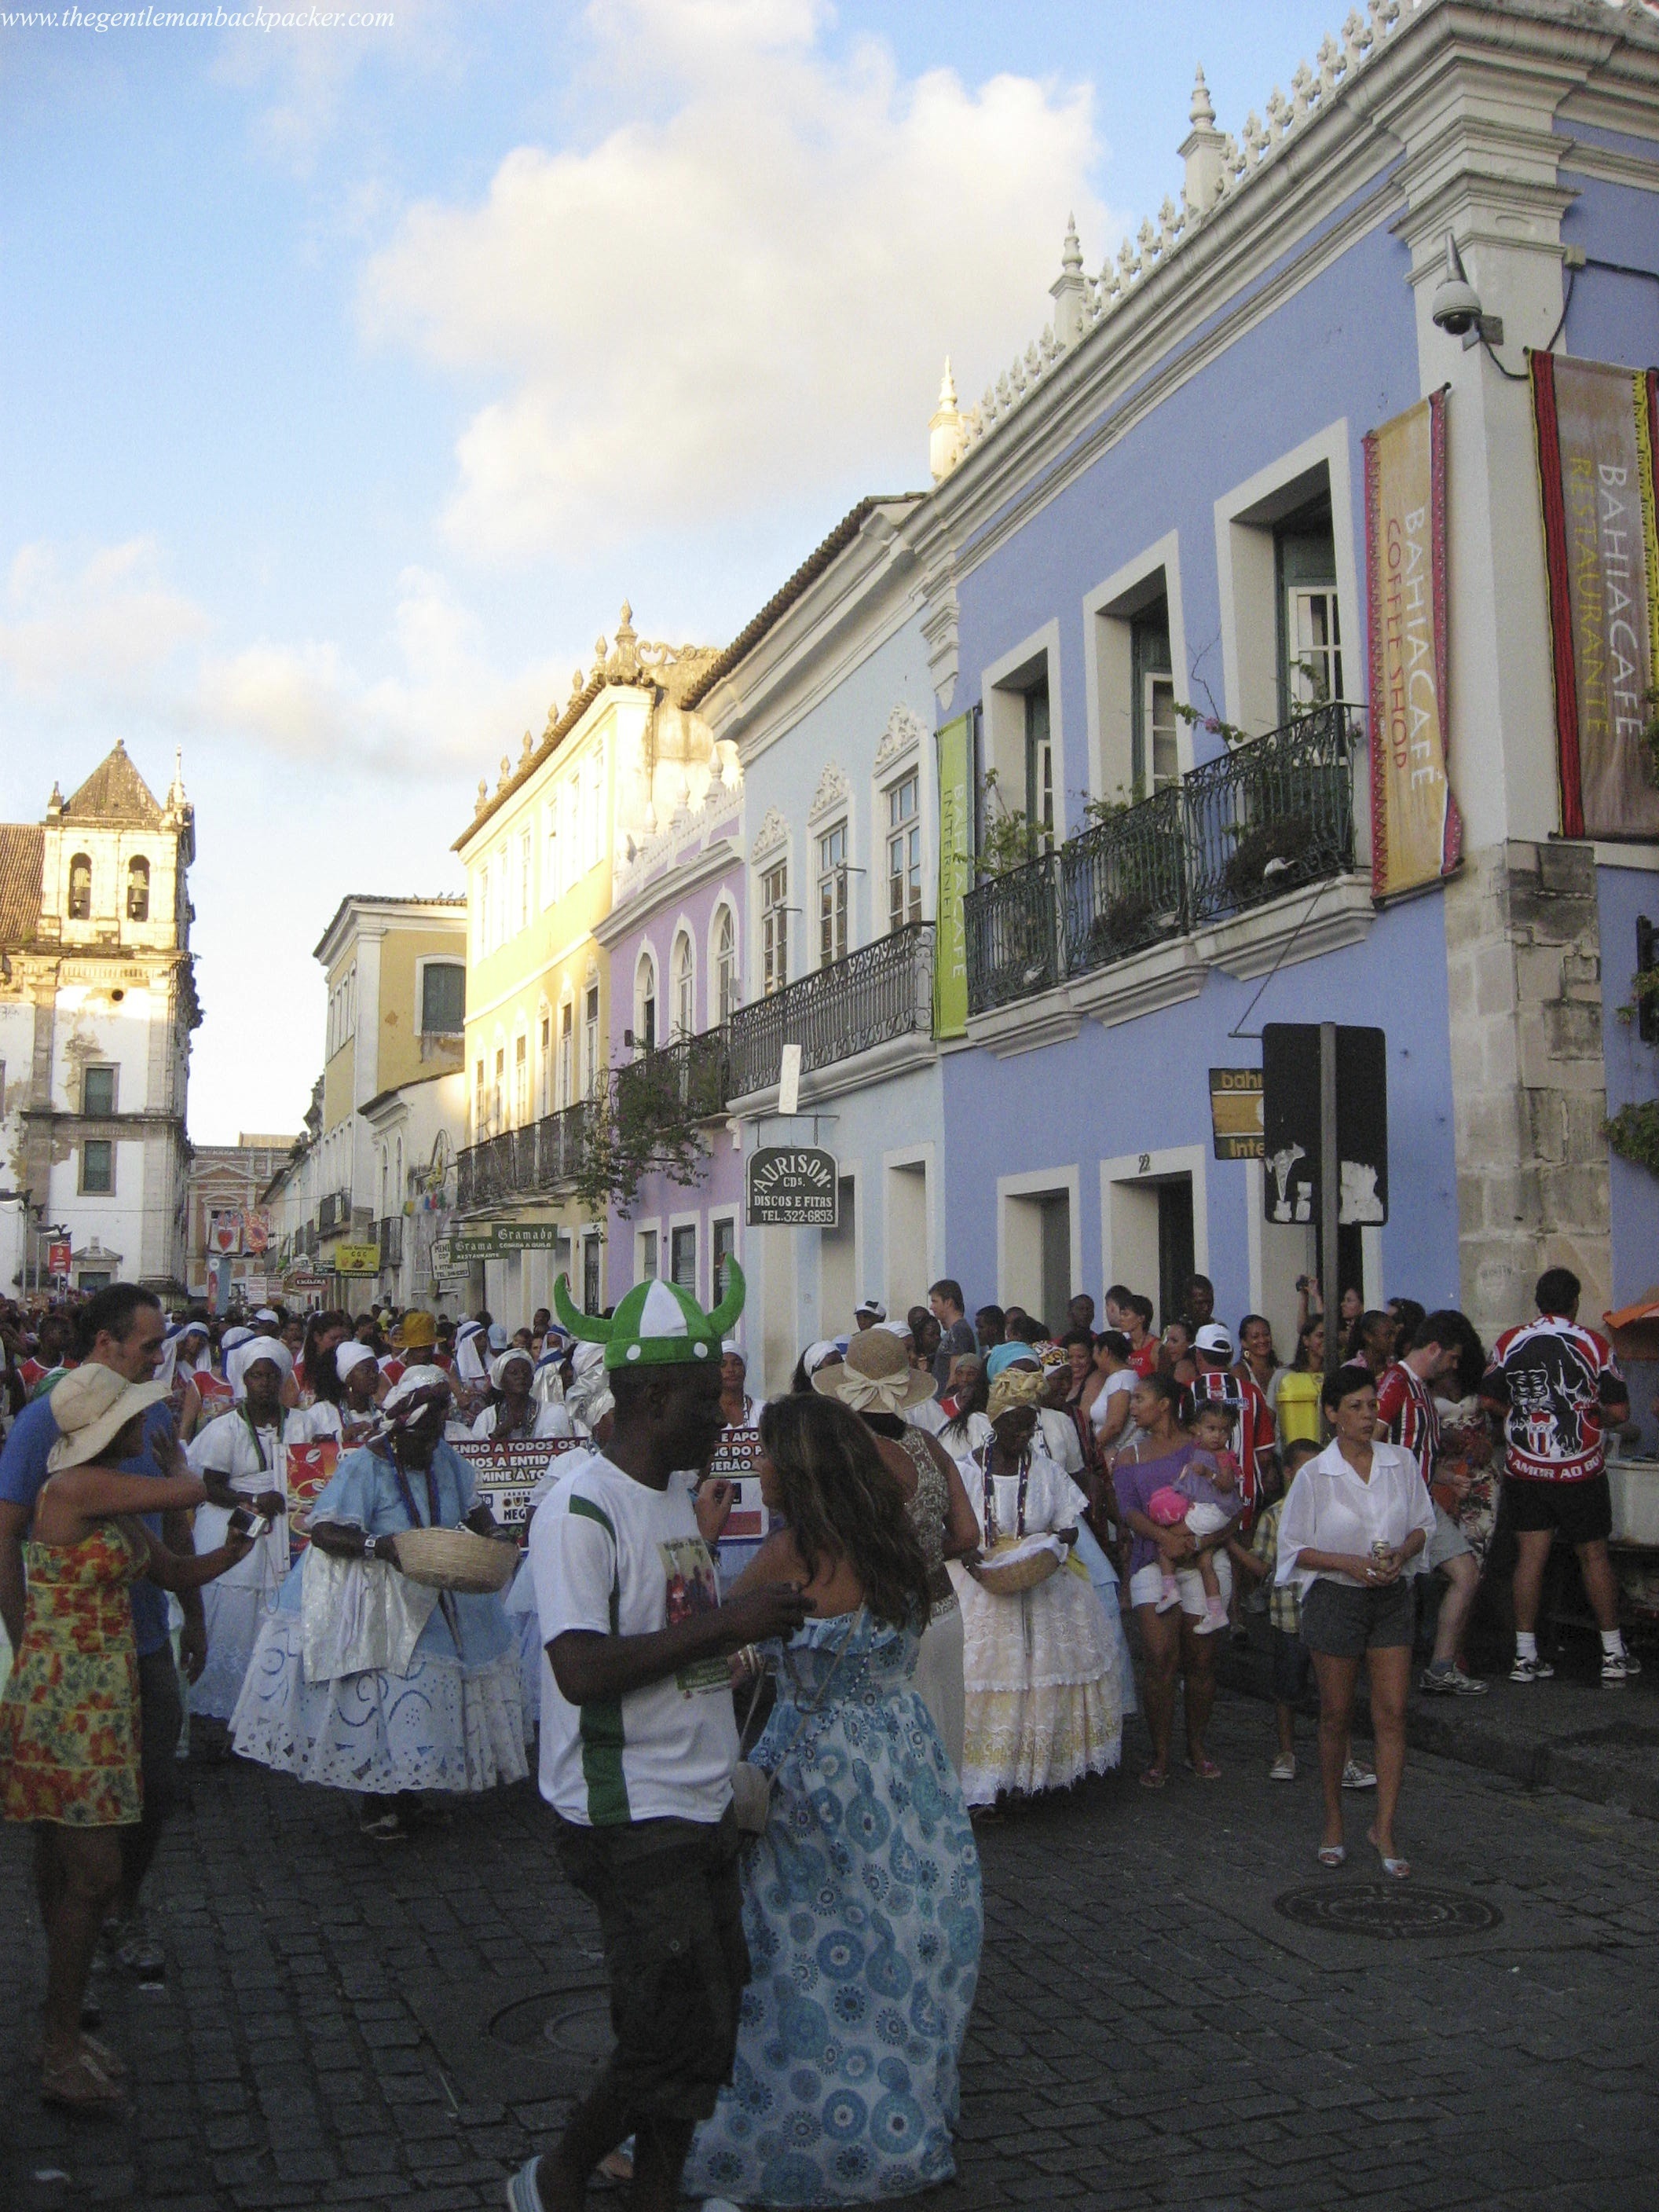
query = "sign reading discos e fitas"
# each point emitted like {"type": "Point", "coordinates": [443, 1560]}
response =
{"type": "Point", "coordinates": [792, 1187]}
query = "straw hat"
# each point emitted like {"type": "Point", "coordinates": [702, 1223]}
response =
{"type": "Point", "coordinates": [417, 1332]}
{"type": "Point", "coordinates": [91, 1406]}
{"type": "Point", "coordinates": [875, 1377]}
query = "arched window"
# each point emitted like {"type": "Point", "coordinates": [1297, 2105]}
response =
{"type": "Point", "coordinates": [684, 976]}
{"type": "Point", "coordinates": [79, 898]}
{"type": "Point", "coordinates": [645, 1004]}
{"type": "Point", "coordinates": [726, 965]}
{"type": "Point", "coordinates": [138, 889]}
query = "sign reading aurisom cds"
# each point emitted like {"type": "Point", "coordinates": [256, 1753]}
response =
{"type": "Point", "coordinates": [792, 1187]}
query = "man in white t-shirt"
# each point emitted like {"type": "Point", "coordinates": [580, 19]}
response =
{"type": "Point", "coordinates": [638, 1741]}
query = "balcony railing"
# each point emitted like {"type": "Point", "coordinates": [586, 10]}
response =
{"type": "Point", "coordinates": [883, 991]}
{"type": "Point", "coordinates": [391, 1240]}
{"type": "Point", "coordinates": [335, 1212]}
{"type": "Point", "coordinates": [1265, 819]}
{"type": "Point", "coordinates": [519, 1163]}
{"type": "Point", "coordinates": [693, 1075]}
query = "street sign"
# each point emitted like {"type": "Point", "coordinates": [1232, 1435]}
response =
{"type": "Point", "coordinates": [792, 1187]}
{"type": "Point", "coordinates": [356, 1259]}
{"type": "Point", "coordinates": [304, 1286]}
{"type": "Point", "coordinates": [1236, 1112]}
{"type": "Point", "coordinates": [57, 1258]}
{"type": "Point", "coordinates": [442, 1256]}
{"type": "Point", "coordinates": [1291, 1080]}
{"type": "Point", "coordinates": [488, 1240]}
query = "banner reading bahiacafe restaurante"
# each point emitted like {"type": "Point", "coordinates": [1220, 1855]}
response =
{"type": "Point", "coordinates": [1417, 833]}
{"type": "Point", "coordinates": [1596, 429]}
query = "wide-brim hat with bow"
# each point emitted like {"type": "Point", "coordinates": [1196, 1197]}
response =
{"type": "Point", "coordinates": [91, 1406]}
{"type": "Point", "coordinates": [657, 1324]}
{"type": "Point", "coordinates": [874, 1375]}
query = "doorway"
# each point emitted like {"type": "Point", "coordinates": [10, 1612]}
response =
{"type": "Point", "coordinates": [1175, 1244]}
{"type": "Point", "coordinates": [838, 1265]}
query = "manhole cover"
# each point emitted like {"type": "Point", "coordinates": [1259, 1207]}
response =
{"type": "Point", "coordinates": [575, 2021]}
{"type": "Point", "coordinates": [1396, 1910]}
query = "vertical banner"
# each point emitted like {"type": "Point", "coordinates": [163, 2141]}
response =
{"type": "Point", "coordinates": [307, 1471]}
{"type": "Point", "coordinates": [955, 844]}
{"type": "Point", "coordinates": [1417, 833]}
{"type": "Point", "coordinates": [1596, 429]}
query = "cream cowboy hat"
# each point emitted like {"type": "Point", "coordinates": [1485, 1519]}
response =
{"type": "Point", "coordinates": [875, 1375]}
{"type": "Point", "coordinates": [91, 1406]}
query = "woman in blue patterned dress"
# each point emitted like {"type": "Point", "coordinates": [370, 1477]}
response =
{"type": "Point", "coordinates": [861, 1900]}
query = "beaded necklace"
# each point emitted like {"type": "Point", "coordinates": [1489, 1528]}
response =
{"type": "Point", "coordinates": [988, 1495]}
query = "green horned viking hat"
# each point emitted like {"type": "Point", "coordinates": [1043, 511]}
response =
{"type": "Point", "coordinates": [656, 1325]}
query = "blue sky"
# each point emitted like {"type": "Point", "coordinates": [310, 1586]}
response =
{"type": "Point", "coordinates": [354, 377]}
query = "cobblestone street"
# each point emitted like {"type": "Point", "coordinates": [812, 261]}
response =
{"type": "Point", "coordinates": [343, 2026]}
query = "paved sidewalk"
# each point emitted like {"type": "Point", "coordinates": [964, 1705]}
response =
{"type": "Point", "coordinates": [348, 2026]}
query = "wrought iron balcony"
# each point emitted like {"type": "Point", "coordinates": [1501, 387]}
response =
{"type": "Point", "coordinates": [881, 992]}
{"type": "Point", "coordinates": [1265, 819]}
{"type": "Point", "coordinates": [334, 1212]}
{"type": "Point", "coordinates": [391, 1240]}
{"type": "Point", "coordinates": [522, 1163]}
{"type": "Point", "coordinates": [693, 1075]}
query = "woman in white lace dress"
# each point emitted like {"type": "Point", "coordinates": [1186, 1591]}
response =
{"type": "Point", "coordinates": [1041, 1668]}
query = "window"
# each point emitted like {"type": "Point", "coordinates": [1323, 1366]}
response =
{"type": "Point", "coordinates": [1310, 623]}
{"type": "Point", "coordinates": [726, 965]}
{"type": "Point", "coordinates": [478, 1104]}
{"type": "Point", "coordinates": [520, 1081]}
{"type": "Point", "coordinates": [774, 928]}
{"type": "Point", "coordinates": [483, 908]}
{"type": "Point", "coordinates": [1154, 752]}
{"type": "Point", "coordinates": [80, 894]}
{"type": "Point", "coordinates": [903, 855]}
{"type": "Point", "coordinates": [138, 889]}
{"type": "Point", "coordinates": [544, 1065]}
{"type": "Point", "coordinates": [1039, 764]}
{"type": "Point", "coordinates": [551, 853]}
{"type": "Point", "coordinates": [645, 1256]}
{"type": "Point", "coordinates": [567, 1093]}
{"type": "Point", "coordinates": [832, 895]}
{"type": "Point", "coordinates": [682, 1257]}
{"type": "Point", "coordinates": [527, 875]}
{"type": "Point", "coordinates": [645, 1004]}
{"type": "Point", "coordinates": [98, 1091]}
{"type": "Point", "coordinates": [498, 1097]}
{"type": "Point", "coordinates": [98, 1167]}
{"type": "Point", "coordinates": [443, 997]}
{"type": "Point", "coordinates": [591, 1040]}
{"type": "Point", "coordinates": [725, 1236]}
{"type": "Point", "coordinates": [590, 1273]}
{"type": "Point", "coordinates": [684, 988]}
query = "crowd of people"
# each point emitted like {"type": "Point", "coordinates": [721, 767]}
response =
{"type": "Point", "coordinates": [765, 1767]}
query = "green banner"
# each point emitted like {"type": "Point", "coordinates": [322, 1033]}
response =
{"type": "Point", "coordinates": [956, 850]}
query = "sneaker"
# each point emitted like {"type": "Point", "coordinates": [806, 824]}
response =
{"type": "Point", "coordinates": [1450, 1682]}
{"type": "Point", "coordinates": [1632, 1664]}
{"type": "Point", "coordinates": [1212, 1623]}
{"type": "Point", "coordinates": [1356, 1775]}
{"type": "Point", "coordinates": [383, 1828]}
{"type": "Point", "coordinates": [522, 2193]}
{"type": "Point", "coordinates": [137, 1950]}
{"type": "Point", "coordinates": [1283, 1768]}
{"type": "Point", "coordinates": [1532, 1670]}
{"type": "Point", "coordinates": [1616, 1670]}
{"type": "Point", "coordinates": [1169, 1598]}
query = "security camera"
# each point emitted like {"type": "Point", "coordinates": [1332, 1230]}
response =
{"type": "Point", "coordinates": [1456, 308]}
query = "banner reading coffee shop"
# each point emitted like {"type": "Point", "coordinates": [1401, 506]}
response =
{"type": "Point", "coordinates": [1597, 428]}
{"type": "Point", "coordinates": [1417, 833]}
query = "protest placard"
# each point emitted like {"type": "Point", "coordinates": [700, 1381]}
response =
{"type": "Point", "coordinates": [506, 1472]}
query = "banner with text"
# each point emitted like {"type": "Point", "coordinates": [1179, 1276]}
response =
{"type": "Point", "coordinates": [504, 1474]}
{"type": "Point", "coordinates": [307, 1469]}
{"type": "Point", "coordinates": [1417, 833]}
{"type": "Point", "coordinates": [750, 1523]}
{"type": "Point", "coordinates": [1597, 428]}
{"type": "Point", "coordinates": [956, 862]}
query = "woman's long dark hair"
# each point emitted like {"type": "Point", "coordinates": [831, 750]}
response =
{"type": "Point", "coordinates": [972, 1400]}
{"type": "Point", "coordinates": [841, 1503]}
{"type": "Point", "coordinates": [322, 1375]}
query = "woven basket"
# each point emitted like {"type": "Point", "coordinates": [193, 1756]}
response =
{"type": "Point", "coordinates": [1018, 1574]}
{"type": "Point", "coordinates": [456, 1559]}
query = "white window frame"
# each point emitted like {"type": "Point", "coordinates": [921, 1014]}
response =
{"type": "Point", "coordinates": [647, 988]}
{"type": "Point", "coordinates": [839, 876]}
{"type": "Point", "coordinates": [723, 1218]}
{"type": "Point", "coordinates": [725, 909]}
{"type": "Point", "coordinates": [566, 1045]}
{"type": "Point", "coordinates": [677, 1225]}
{"type": "Point", "coordinates": [910, 773]}
{"type": "Point", "coordinates": [424, 960]}
{"type": "Point", "coordinates": [770, 943]}
{"type": "Point", "coordinates": [1002, 688]}
{"type": "Point", "coordinates": [650, 1227]}
{"type": "Point", "coordinates": [592, 1052]}
{"type": "Point", "coordinates": [1107, 611]}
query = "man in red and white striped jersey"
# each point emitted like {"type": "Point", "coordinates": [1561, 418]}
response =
{"type": "Point", "coordinates": [1406, 1415]}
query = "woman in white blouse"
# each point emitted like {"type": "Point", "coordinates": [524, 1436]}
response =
{"type": "Point", "coordinates": [1351, 1538]}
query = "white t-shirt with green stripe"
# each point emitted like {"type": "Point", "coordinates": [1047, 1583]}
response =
{"type": "Point", "coordinates": [609, 1554]}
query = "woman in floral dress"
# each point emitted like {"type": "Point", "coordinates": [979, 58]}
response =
{"type": "Point", "coordinates": [69, 1720]}
{"type": "Point", "coordinates": [861, 1901]}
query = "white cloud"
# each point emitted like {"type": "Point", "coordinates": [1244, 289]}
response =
{"type": "Point", "coordinates": [103, 616]}
{"type": "Point", "coordinates": [747, 295]}
{"type": "Point", "coordinates": [307, 80]}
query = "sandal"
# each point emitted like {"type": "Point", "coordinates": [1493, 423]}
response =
{"type": "Point", "coordinates": [108, 2061]}
{"type": "Point", "coordinates": [1395, 1870]}
{"type": "Point", "coordinates": [80, 2085]}
{"type": "Point", "coordinates": [1332, 1855]}
{"type": "Point", "coordinates": [1205, 1768]}
{"type": "Point", "coordinates": [1154, 1778]}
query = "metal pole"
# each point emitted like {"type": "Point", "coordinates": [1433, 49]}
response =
{"type": "Point", "coordinates": [1329, 1193]}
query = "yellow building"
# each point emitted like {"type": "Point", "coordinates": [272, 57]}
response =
{"type": "Point", "coordinates": [391, 1084]}
{"type": "Point", "coordinates": [540, 855]}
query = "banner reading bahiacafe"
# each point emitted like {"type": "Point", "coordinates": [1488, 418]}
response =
{"type": "Point", "coordinates": [1597, 428]}
{"type": "Point", "coordinates": [956, 843]}
{"type": "Point", "coordinates": [1417, 833]}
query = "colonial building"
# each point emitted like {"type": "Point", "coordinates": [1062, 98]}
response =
{"type": "Point", "coordinates": [610, 770]}
{"type": "Point", "coordinates": [97, 1004]}
{"type": "Point", "coordinates": [228, 1220]}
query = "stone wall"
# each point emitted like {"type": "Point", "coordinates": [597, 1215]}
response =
{"type": "Point", "coordinates": [1523, 960]}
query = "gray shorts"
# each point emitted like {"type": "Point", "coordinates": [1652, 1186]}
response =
{"type": "Point", "coordinates": [1448, 1541]}
{"type": "Point", "coordinates": [1344, 1622]}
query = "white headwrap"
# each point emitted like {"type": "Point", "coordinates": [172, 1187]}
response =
{"type": "Point", "coordinates": [409, 1383]}
{"type": "Point", "coordinates": [232, 1338]}
{"type": "Point", "coordinates": [349, 1355]}
{"type": "Point", "coordinates": [266, 1314]}
{"type": "Point", "coordinates": [815, 1354]}
{"type": "Point", "coordinates": [499, 1365]}
{"type": "Point", "coordinates": [249, 1353]}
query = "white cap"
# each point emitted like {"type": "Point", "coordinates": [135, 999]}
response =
{"type": "Point", "coordinates": [1214, 1340]}
{"type": "Point", "coordinates": [873, 1307]}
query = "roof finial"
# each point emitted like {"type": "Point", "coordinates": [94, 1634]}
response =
{"type": "Point", "coordinates": [1071, 253]}
{"type": "Point", "coordinates": [1070, 288]}
{"type": "Point", "coordinates": [1203, 150]}
{"type": "Point", "coordinates": [1202, 112]}
{"type": "Point", "coordinates": [944, 431]}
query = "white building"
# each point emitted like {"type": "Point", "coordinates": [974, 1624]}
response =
{"type": "Point", "coordinates": [97, 1003]}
